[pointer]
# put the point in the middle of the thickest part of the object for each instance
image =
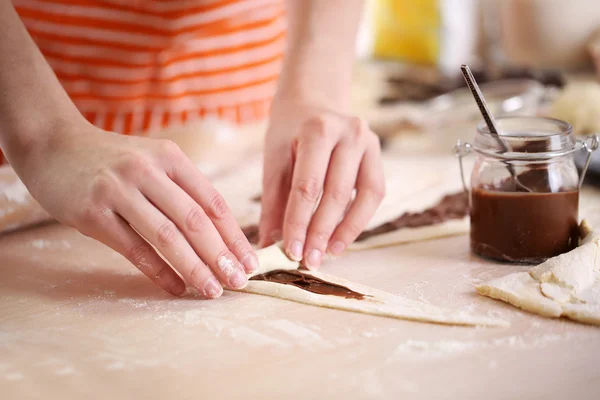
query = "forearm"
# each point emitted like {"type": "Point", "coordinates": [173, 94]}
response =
{"type": "Point", "coordinates": [32, 102]}
{"type": "Point", "coordinates": [320, 51]}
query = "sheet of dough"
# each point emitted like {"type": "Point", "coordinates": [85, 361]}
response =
{"type": "Point", "coordinates": [408, 235]}
{"type": "Point", "coordinates": [564, 286]}
{"type": "Point", "coordinates": [414, 185]}
{"type": "Point", "coordinates": [379, 303]}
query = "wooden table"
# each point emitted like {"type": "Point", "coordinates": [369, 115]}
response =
{"type": "Point", "coordinates": [77, 321]}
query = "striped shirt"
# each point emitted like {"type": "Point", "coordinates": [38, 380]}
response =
{"type": "Point", "coordinates": [134, 66]}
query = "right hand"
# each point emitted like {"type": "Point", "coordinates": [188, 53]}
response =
{"type": "Point", "coordinates": [133, 194]}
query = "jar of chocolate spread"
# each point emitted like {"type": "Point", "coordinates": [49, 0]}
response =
{"type": "Point", "coordinates": [524, 192]}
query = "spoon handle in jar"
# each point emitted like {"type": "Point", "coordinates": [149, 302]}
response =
{"type": "Point", "coordinates": [483, 107]}
{"type": "Point", "coordinates": [489, 120]}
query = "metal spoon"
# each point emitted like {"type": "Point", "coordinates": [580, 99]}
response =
{"type": "Point", "coordinates": [489, 120]}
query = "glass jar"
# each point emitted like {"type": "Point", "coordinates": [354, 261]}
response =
{"type": "Point", "coordinates": [524, 194]}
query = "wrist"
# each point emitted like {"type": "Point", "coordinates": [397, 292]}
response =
{"type": "Point", "coordinates": [314, 86]}
{"type": "Point", "coordinates": [290, 96]}
{"type": "Point", "coordinates": [319, 56]}
{"type": "Point", "coordinates": [29, 138]}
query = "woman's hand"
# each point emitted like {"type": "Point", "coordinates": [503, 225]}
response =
{"type": "Point", "coordinates": [314, 154]}
{"type": "Point", "coordinates": [134, 194]}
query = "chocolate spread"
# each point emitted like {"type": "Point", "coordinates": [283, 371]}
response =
{"type": "Point", "coordinates": [510, 224]}
{"type": "Point", "coordinates": [308, 282]}
{"type": "Point", "coordinates": [453, 206]}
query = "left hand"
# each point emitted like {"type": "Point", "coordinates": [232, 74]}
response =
{"type": "Point", "coordinates": [314, 153]}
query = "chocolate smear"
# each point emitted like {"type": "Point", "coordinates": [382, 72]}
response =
{"type": "Point", "coordinates": [307, 282]}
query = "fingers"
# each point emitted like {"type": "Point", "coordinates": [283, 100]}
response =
{"type": "Point", "coordinates": [206, 216]}
{"type": "Point", "coordinates": [313, 153]}
{"type": "Point", "coordinates": [355, 162]}
{"type": "Point", "coordinates": [337, 194]}
{"type": "Point", "coordinates": [196, 226]}
{"type": "Point", "coordinates": [117, 234]}
{"type": "Point", "coordinates": [370, 186]}
{"type": "Point", "coordinates": [164, 235]}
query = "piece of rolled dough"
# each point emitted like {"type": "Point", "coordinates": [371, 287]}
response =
{"type": "Point", "coordinates": [407, 235]}
{"type": "Point", "coordinates": [378, 302]}
{"type": "Point", "coordinates": [567, 285]}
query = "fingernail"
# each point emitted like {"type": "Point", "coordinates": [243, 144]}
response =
{"type": "Point", "coordinates": [313, 260]}
{"type": "Point", "coordinates": [250, 262]}
{"type": "Point", "coordinates": [212, 288]}
{"type": "Point", "coordinates": [337, 248]}
{"type": "Point", "coordinates": [233, 271]}
{"type": "Point", "coordinates": [177, 287]}
{"type": "Point", "coordinates": [295, 251]}
{"type": "Point", "coordinates": [238, 280]}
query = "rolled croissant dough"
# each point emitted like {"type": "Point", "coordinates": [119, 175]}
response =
{"type": "Point", "coordinates": [378, 302]}
{"type": "Point", "coordinates": [564, 286]}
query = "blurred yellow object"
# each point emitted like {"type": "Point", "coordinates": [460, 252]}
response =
{"type": "Point", "coordinates": [407, 30]}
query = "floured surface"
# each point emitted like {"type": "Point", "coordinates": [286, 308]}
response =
{"type": "Point", "coordinates": [78, 320]}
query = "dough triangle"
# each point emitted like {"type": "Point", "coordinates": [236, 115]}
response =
{"type": "Point", "coordinates": [376, 302]}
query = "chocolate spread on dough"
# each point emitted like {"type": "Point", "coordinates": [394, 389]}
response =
{"type": "Point", "coordinates": [452, 206]}
{"type": "Point", "coordinates": [308, 282]}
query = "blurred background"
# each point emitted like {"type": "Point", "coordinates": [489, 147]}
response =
{"type": "Point", "coordinates": [531, 57]}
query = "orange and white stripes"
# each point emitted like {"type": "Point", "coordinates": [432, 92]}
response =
{"type": "Point", "coordinates": [133, 66]}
